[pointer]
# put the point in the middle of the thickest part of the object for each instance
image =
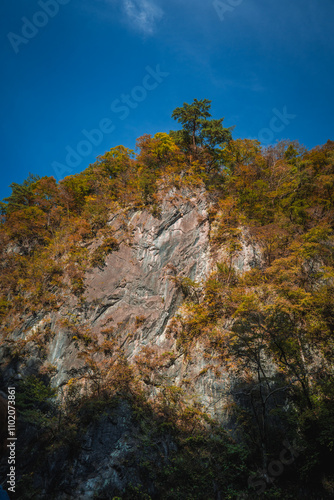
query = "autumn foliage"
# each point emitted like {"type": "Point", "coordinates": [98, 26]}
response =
{"type": "Point", "coordinates": [270, 325]}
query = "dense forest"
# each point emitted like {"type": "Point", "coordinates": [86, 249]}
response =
{"type": "Point", "coordinates": [270, 327]}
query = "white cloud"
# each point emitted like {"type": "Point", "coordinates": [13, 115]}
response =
{"type": "Point", "coordinates": [143, 14]}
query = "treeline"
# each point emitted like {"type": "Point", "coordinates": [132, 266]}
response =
{"type": "Point", "coordinates": [46, 226]}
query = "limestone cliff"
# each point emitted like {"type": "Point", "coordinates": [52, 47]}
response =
{"type": "Point", "coordinates": [137, 292]}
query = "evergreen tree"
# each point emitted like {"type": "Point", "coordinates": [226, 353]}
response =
{"type": "Point", "coordinates": [201, 133]}
{"type": "Point", "coordinates": [22, 195]}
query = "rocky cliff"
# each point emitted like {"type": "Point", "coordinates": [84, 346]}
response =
{"type": "Point", "coordinates": [168, 332]}
{"type": "Point", "coordinates": [137, 292]}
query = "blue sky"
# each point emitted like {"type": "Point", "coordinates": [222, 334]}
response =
{"type": "Point", "coordinates": [119, 68]}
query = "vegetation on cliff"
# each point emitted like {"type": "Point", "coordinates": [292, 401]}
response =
{"type": "Point", "coordinates": [271, 326]}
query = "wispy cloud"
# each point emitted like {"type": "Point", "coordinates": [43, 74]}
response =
{"type": "Point", "coordinates": [143, 14]}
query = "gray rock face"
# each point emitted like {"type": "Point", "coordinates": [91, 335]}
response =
{"type": "Point", "coordinates": [109, 459]}
{"type": "Point", "coordinates": [136, 294]}
{"type": "Point", "coordinates": [136, 281]}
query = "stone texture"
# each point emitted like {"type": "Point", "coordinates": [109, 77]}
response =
{"type": "Point", "coordinates": [136, 282]}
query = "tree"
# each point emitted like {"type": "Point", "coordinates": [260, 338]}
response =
{"type": "Point", "coordinates": [213, 133]}
{"type": "Point", "coordinates": [22, 195]}
{"type": "Point", "coordinates": [201, 135]}
{"type": "Point", "coordinates": [157, 152]}
{"type": "Point", "coordinates": [191, 117]}
{"type": "Point", "coordinates": [28, 227]}
{"type": "Point", "coordinates": [74, 189]}
{"type": "Point", "coordinates": [117, 161]}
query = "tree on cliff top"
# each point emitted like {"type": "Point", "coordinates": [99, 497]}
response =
{"type": "Point", "coordinates": [191, 117]}
{"type": "Point", "coordinates": [197, 128]}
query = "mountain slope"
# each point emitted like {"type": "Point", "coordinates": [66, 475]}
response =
{"type": "Point", "coordinates": [167, 322]}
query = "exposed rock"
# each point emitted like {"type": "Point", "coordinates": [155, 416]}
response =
{"type": "Point", "coordinates": [136, 281]}
{"type": "Point", "coordinates": [135, 293]}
